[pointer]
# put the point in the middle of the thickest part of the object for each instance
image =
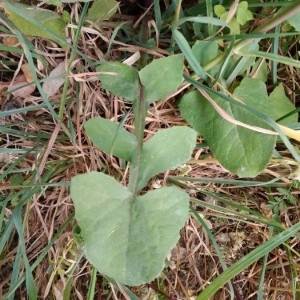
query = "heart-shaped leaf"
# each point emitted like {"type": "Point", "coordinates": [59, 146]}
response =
{"type": "Point", "coordinates": [127, 239]}
{"type": "Point", "coordinates": [240, 150]}
{"type": "Point", "coordinates": [162, 77]}
{"type": "Point", "coordinates": [166, 150]}
{"type": "Point", "coordinates": [121, 80]}
{"type": "Point", "coordinates": [111, 138]}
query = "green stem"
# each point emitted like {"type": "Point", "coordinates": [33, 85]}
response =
{"type": "Point", "coordinates": [140, 109]}
{"type": "Point", "coordinates": [210, 13]}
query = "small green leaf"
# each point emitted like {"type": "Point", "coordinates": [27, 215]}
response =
{"type": "Point", "coordinates": [166, 150]}
{"type": "Point", "coordinates": [21, 15]}
{"type": "Point", "coordinates": [121, 80]}
{"type": "Point", "coordinates": [161, 77]}
{"type": "Point", "coordinates": [219, 10]}
{"type": "Point", "coordinates": [101, 10]}
{"type": "Point", "coordinates": [111, 138]}
{"type": "Point", "coordinates": [243, 5]}
{"type": "Point", "coordinates": [127, 239]}
{"type": "Point", "coordinates": [234, 26]}
{"type": "Point", "coordinates": [224, 16]}
{"type": "Point", "coordinates": [281, 105]}
{"type": "Point", "coordinates": [240, 150]}
{"type": "Point", "coordinates": [243, 15]}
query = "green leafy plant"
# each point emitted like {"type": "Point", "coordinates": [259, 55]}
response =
{"type": "Point", "coordinates": [127, 234]}
{"type": "Point", "coordinates": [235, 117]}
{"type": "Point", "coordinates": [280, 203]}
{"type": "Point", "coordinates": [237, 16]}
{"type": "Point", "coordinates": [228, 128]}
{"type": "Point", "coordinates": [233, 96]}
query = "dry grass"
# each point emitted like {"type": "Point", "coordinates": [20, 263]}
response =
{"type": "Point", "coordinates": [194, 262]}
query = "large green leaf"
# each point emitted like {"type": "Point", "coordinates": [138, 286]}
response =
{"type": "Point", "coordinates": [121, 80]}
{"type": "Point", "coordinates": [111, 138]}
{"type": "Point", "coordinates": [127, 239]}
{"type": "Point", "coordinates": [240, 150]}
{"type": "Point", "coordinates": [167, 149]}
{"type": "Point", "coordinates": [161, 77]}
{"type": "Point", "coordinates": [33, 21]}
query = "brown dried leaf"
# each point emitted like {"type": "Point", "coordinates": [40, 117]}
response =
{"type": "Point", "coordinates": [27, 72]}
{"type": "Point", "coordinates": [24, 91]}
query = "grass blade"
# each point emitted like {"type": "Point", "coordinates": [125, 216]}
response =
{"type": "Point", "coordinates": [187, 51]}
{"type": "Point", "coordinates": [271, 56]}
{"type": "Point", "coordinates": [30, 285]}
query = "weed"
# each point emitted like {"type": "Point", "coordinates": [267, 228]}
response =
{"type": "Point", "coordinates": [104, 103]}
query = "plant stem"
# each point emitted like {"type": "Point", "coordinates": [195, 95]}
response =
{"type": "Point", "coordinates": [140, 109]}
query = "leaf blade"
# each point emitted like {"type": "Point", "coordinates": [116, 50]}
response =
{"type": "Point", "coordinates": [187, 51]}
{"type": "Point", "coordinates": [240, 150]}
{"type": "Point", "coordinates": [161, 77]}
{"type": "Point", "coordinates": [166, 150]}
{"type": "Point", "coordinates": [112, 139]}
{"type": "Point", "coordinates": [127, 241]}
{"type": "Point", "coordinates": [121, 80]}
